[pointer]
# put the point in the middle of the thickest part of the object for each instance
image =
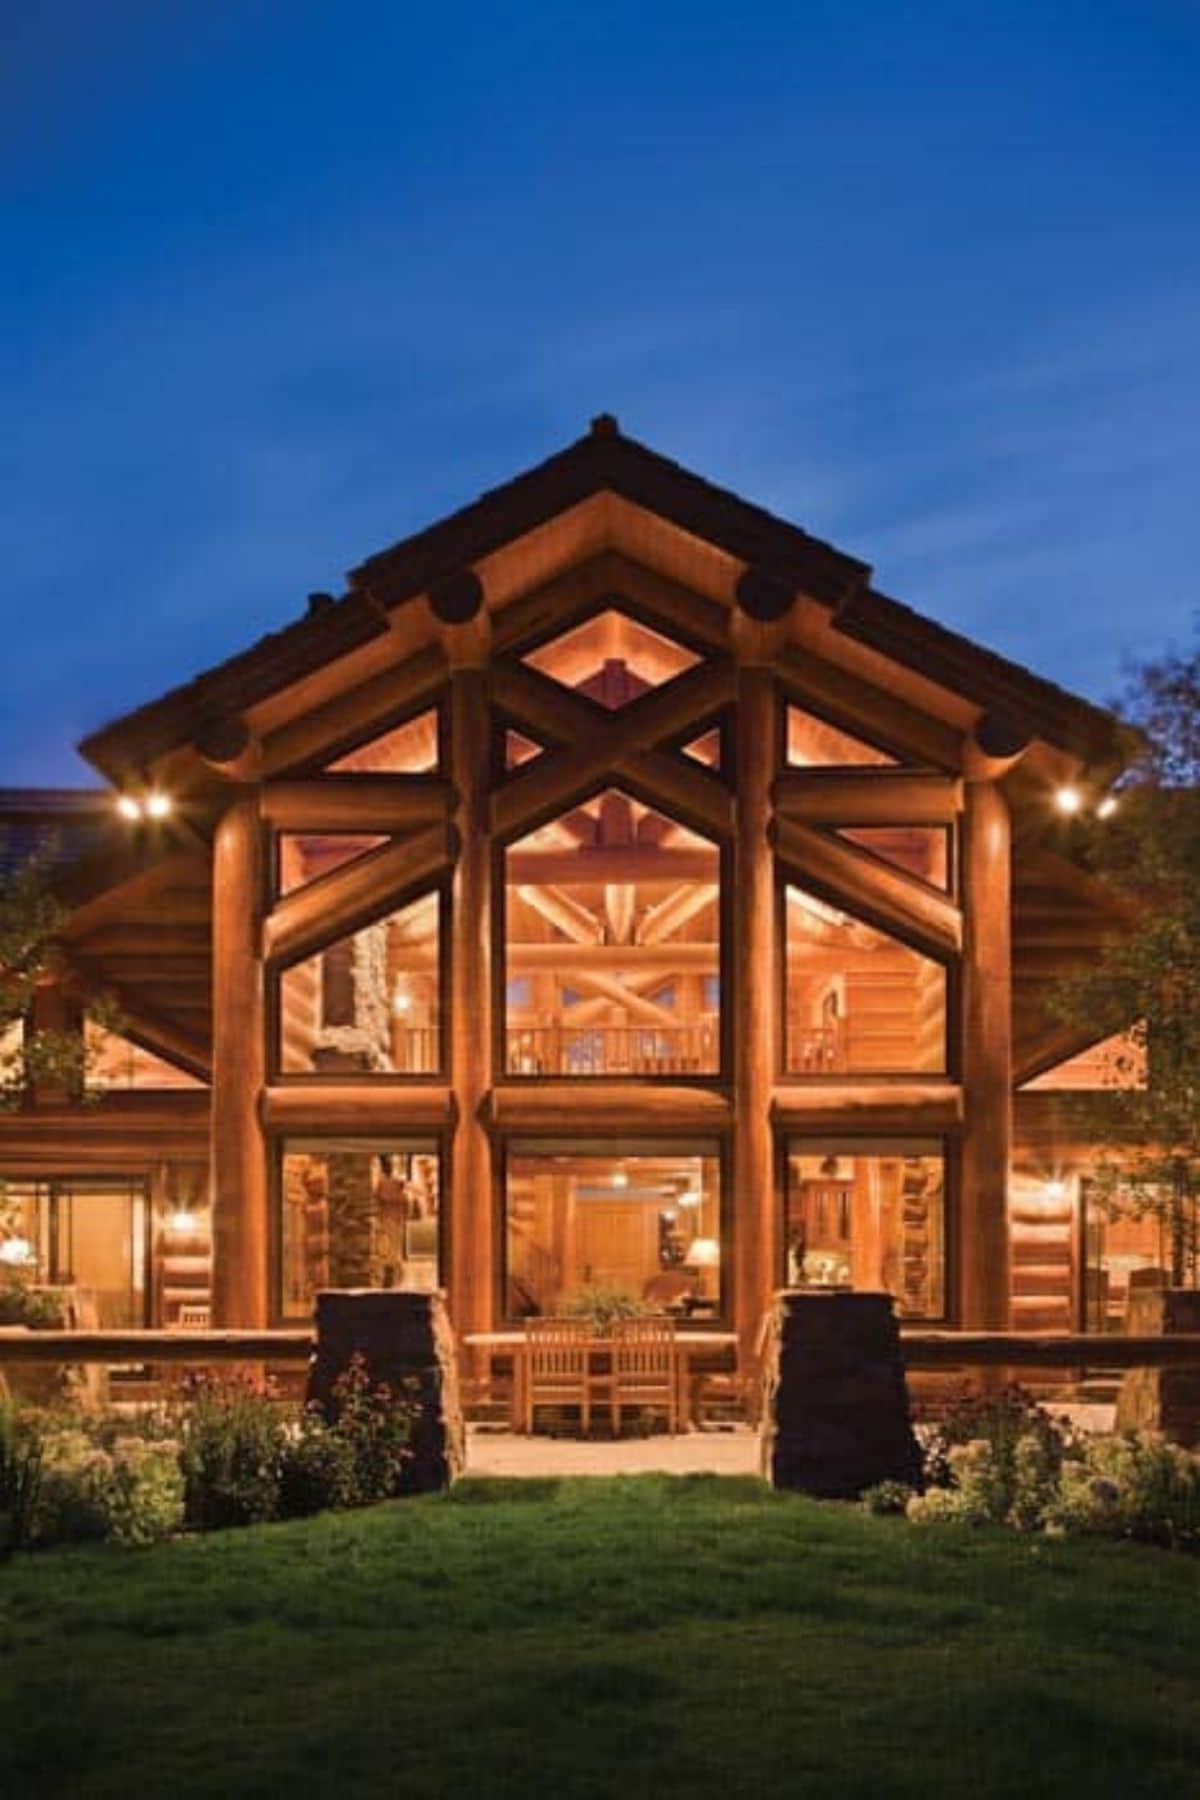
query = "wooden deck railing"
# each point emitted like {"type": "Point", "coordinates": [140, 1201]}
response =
{"type": "Point", "coordinates": [922, 1349]}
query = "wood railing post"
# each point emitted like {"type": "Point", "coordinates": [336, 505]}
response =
{"type": "Point", "coordinates": [239, 1155]}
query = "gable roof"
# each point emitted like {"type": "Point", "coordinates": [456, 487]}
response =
{"type": "Point", "coordinates": [602, 461]}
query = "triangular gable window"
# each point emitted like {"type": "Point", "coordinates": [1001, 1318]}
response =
{"type": "Point", "coordinates": [612, 659]}
{"type": "Point", "coordinates": [369, 1003]}
{"type": "Point", "coordinates": [305, 856]}
{"type": "Point", "coordinates": [920, 850]}
{"type": "Point", "coordinates": [519, 750]}
{"type": "Point", "coordinates": [814, 743]}
{"type": "Point", "coordinates": [115, 1063]}
{"type": "Point", "coordinates": [706, 749]}
{"type": "Point", "coordinates": [410, 748]}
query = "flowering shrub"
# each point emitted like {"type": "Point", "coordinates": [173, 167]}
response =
{"type": "Point", "coordinates": [231, 1449]}
{"type": "Point", "coordinates": [376, 1425]}
{"type": "Point", "coordinates": [131, 1494]}
{"type": "Point", "coordinates": [1134, 1487]}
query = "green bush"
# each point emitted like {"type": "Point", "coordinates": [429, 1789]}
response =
{"type": "Point", "coordinates": [1132, 1487]}
{"type": "Point", "coordinates": [887, 1497]}
{"type": "Point", "coordinates": [21, 1453]}
{"type": "Point", "coordinates": [131, 1494]}
{"type": "Point", "coordinates": [21, 1304]}
{"type": "Point", "coordinates": [600, 1303]}
{"type": "Point", "coordinates": [318, 1471]}
{"type": "Point", "coordinates": [232, 1443]}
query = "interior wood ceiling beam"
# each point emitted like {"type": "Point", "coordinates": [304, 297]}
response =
{"type": "Point", "coordinates": [673, 913]}
{"type": "Point", "coordinates": [567, 915]}
{"type": "Point", "coordinates": [585, 868]}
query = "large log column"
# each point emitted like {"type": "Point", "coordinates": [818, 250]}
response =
{"type": "Point", "coordinates": [987, 1060]}
{"type": "Point", "coordinates": [757, 1224]}
{"type": "Point", "coordinates": [471, 1231]}
{"type": "Point", "coordinates": [239, 1152]}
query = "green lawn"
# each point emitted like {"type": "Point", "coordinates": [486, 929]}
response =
{"type": "Point", "coordinates": [640, 1636]}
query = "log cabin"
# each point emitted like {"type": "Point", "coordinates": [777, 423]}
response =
{"type": "Point", "coordinates": [612, 888]}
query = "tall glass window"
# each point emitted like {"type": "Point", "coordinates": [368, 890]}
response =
{"type": "Point", "coordinates": [357, 1212]}
{"type": "Point", "coordinates": [858, 1000]}
{"type": "Point", "coordinates": [369, 1003]}
{"type": "Point", "coordinates": [638, 1222]}
{"type": "Point", "coordinates": [869, 1213]}
{"type": "Point", "coordinates": [613, 945]}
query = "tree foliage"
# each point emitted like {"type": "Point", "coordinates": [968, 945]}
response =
{"type": "Point", "coordinates": [1145, 988]}
{"type": "Point", "coordinates": [32, 1056]}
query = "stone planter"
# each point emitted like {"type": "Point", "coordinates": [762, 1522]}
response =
{"type": "Point", "coordinates": [835, 1416]}
{"type": "Point", "coordinates": [1166, 1400]}
{"type": "Point", "coordinates": [402, 1338]}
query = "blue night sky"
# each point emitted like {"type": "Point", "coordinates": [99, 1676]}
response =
{"type": "Point", "coordinates": [287, 281]}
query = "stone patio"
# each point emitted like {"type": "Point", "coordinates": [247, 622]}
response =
{"type": "Point", "coordinates": [506, 1453]}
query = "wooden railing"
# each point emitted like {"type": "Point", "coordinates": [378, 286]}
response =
{"type": "Point", "coordinates": [416, 1050]}
{"type": "Point", "coordinates": [614, 1049]}
{"type": "Point", "coordinates": [921, 1349]}
{"type": "Point", "coordinates": [815, 1050]}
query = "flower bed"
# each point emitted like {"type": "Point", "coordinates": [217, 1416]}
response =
{"type": "Point", "coordinates": [228, 1454]}
{"type": "Point", "coordinates": [1006, 1461]}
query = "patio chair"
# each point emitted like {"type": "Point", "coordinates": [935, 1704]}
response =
{"type": "Point", "coordinates": [644, 1368]}
{"type": "Point", "coordinates": [557, 1367]}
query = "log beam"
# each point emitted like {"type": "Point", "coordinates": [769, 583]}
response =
{"type": "Point", "coordinates": [571, 1107]}
{"type": "Point", "coordinates": [371, 706]}
{"type": "Point", "coordinates": [889, 895]}
{"type": "Point", "coordinates": [812, 681]}
{"type": "Point", "coordinates": [757, 1233]}
{"type": "Point", "coordinates": [987, 1060]}
{"type": "Point", "coordinates": [303, 921]}
{"type": "Point", "coordinates": [471, 1231]}
{"type": "Point", "coordinates": [382, 803]}
{"type": "Point", "coordinates": [377, 1106]}
{"type": "Point", "coordinates": [867, 1106]}
{"type": "Point", "coordinates": [882, 797]}
{"type": "Point", "coordinates": [239, 1154]}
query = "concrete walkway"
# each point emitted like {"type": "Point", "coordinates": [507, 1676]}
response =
{"type": "Point", "coordinates": [691, 1453]}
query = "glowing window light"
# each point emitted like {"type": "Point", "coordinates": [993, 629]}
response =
{"type": "Point", "coordinates": [1068, 800]}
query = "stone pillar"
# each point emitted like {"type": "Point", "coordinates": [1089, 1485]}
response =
{"type": "Point", "coordinates": [757, 1226]}
{"type": "Point", "coordinates": [987, 1072]}
{"type": "Point", "coordinates": [835, 1406]}
{"type": "Point", "coordinates": [239, 1153]}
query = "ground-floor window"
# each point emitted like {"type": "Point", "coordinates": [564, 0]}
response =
{"type": "Point", "coordinates": [357, 1212]}
{"type": "Point", "coordinates": [639, 1218]}
{"type": "Point", "coordinates": [1124, 1251]}
{"type": "Point", "coordinates": [869, 1213]}
{"type": "Point", "coordinates": [86, 1233]}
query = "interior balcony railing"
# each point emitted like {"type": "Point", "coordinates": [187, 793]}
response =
{"type": "Point", "coordinates": [614, 1049]}
{"type": "Point", "coordinates": [816, 1049]}
{"type": "Point", "coordinates": [416, 1050]}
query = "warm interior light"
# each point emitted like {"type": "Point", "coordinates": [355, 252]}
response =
{"type": "Point", "coordinates": [401, 1002]}
{"type": "Point", "coordinates": [1055, 1189]}
{"type": "Point", "coordinates": [182, 1223]}
{"type": "Point", "coordinates": [17, 1253]}
{"type": "Point", "coordinates": [1107, 807]}
{"type": "Point", "coordinates": [691, 1198]}
{"type": "Point", "coordinates": [1068, 800]}
{"type": "Point", "coordinates": [703, 1253]}
{"type": "Point", "coordinates": [620, 1179]}
{"type": "Point", "coordinates": [158, 805]}
{"type": "Point", "coordinates": [128, 807]}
